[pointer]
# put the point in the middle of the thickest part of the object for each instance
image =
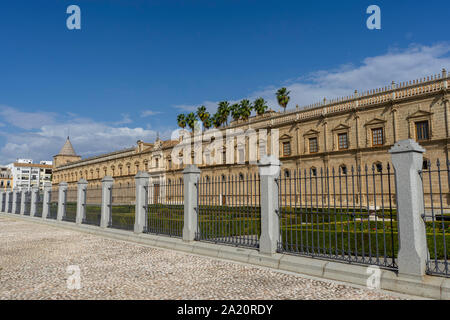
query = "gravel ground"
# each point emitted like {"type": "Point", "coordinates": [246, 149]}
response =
{"type": "Point", "coordinates": [34, 260]}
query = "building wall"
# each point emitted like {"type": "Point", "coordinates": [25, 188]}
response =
{"type": "Point", "coordinates": [394, 109]}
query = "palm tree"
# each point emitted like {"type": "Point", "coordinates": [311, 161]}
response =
{"type": "Point", "coordinates": [235, 112]}
{"type": "Point", "coordinates": [260, 106]}
{"type": "Point", "coordinates": [207, 123]}
{"type": "Point", "coordinates": [203, 115]}
{"type": "Point", "coordinates": [224, 111]}
{"type": "Point", "coordinates": [181, 119]}
{"type": "Point", "coordinates": [283, 98]}
{"type": "Point", "coordinates": [245, 109]}
{"type": "Point", "coordinates": [191, 120]}
{"type": "Point", "coordinates": [216, 120]}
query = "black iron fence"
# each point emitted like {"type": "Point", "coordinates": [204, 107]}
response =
{"type": "Point", "coordinates": [3, 208]}
{"type": "Point", "coordinates": [123, 207]}
{"type": "Point", "coordinates": [39, 204]}
{"type": "Point", "coordinates": [348, 215]}
{"type": "Point", "coordinates": [93, 205]}
{"type": "Point", "coordinates": [18, 201]}
{"type": "Point", "coordinates": [435, 178]}
{"type": "Point", "coordinates": [70, 212]}
{"type": "Point", "coordinates": [53, 204]}
{"type": "Point", "coordinates": [229, 210]}
{"type": "Point", "coordinates": [27, 203]}
{"type": "Point", "coordinates": [10, 202]}
{"type": "Point", "coordinates": [165, 208]}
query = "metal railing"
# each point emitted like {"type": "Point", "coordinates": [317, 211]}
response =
{"type": "Point", "coordinates": [27, 203]}
{"type": "Point", "coordinates": [340, 215]}
{"type": "Point", "coordinates": [435, 178]}
{"type": "Point", "coordinates": [39, 204]}
{"type": "Point", "coordinates": [123, 207]}
{"type": "Point", "coordinates": [18, 202]}
{"type": "Point", "coordinates": [70, 212]}
{"type": "Point", "coordinates": [229, 210]}
{"type": "Point", "coordinates": [165, 209]}
{"type": "Point", "coordinates": [10, 202]}
{"type": "Point", "coordinates": [93, 205]}
{"type": "Point", "coordinates": [53, 204]}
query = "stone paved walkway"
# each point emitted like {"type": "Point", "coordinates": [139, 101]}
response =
{"type": "Point", "coordinates": [34, 260]}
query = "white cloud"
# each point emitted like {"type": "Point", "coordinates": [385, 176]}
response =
{"type": "Point", "coordinates": [148, 113]}
{"type": "Point", "coordinates": [88, 137]}
{"type": "Point", "coordinates": [26, 120]}
{"type": "Point", "coordinates": [373, 72]}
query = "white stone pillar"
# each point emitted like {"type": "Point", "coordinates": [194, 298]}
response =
{"type": "Point", "coordinates": [23, 194]}
{"type": "Point", "coordinates": [142, 180]}
{"type": "Point", "coordinates": [407, 158]}
{"type": "Point", "coordinates": [105, 219]}
{"type": "Point", "coordinates": [269, 172]}
{"type": "Point", "coordinates": [46, 200]}
{"type": "Point", "coordinates": [34, 199]}
{"type": "Point", "coordinates": [81, 201]}
{"type": "Point", "coordinates": [191, 177]}
{"type": "Point", "coordinates": [62, 197]}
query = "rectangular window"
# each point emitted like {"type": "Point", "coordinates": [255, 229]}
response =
{"type": "Point", "coordinates": [422, 131]}
{"type": "Point", "coordinates": [224, 157]}
{"type": "Point", "coordinates": [313, 146]}
{"type": "Point", "coordinates": [343, 141]}
{"type": "Point", "coordinates": [286, 149]}
{"type": "Point", "coordinates": [377, 137]}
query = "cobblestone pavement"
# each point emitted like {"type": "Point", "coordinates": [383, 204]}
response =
{"type": "Point", "coordinates": [35, 257]}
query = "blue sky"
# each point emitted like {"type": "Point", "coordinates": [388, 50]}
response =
{"type": "Point", "coordinates": [135, 65]}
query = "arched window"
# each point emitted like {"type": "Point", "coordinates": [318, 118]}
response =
{"type": "Point", "coordinates": [343, 169]}
{"type": "Point", "coordinates": [241, 177]}
{"type": "Point", "coordinates": [313, 172]}
{"type": "Point", "coordinates": [378, 167]}
{"type": "Point", "coordinates": [287, 173]}
{"type": "Point", "coordinates": [425, 164]}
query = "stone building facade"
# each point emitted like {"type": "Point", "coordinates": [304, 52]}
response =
{"type": "Point", "coordinates": [348, 132]}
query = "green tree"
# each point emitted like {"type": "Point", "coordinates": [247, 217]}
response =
{"type": "Point", "coordinates": [260, 106]}
{"type": "Point", "coordinates": [283, 98]}
{"type": "Point", "coordinates": [245, 109]}
{"type": "Point", "coordinates": [216, 120]}
{"type": "Point", "coordinates": [204, 116]}
{"type": "Point", "coordinates": [235, 112]}
{"type": "Point", "coordinates": [191, 120]}
{"type": "Point", "coordinates": [181, 119]}
{"type": "Point", "coordinates": [224, 111]}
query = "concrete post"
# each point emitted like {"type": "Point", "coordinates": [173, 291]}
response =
{"type": "Point", "coordinates": [34, 199]}
{"type": "Point", "coordinates": [15, 194]}
{"type": "Point", "coordinates": [269, 171]}
{"type": "Point", "coordinates": [62, 197]}
{"type": "Point", "coordinates": [142, 180]}
{"type": "Point", "coordinates": [46, 200]}
{"type": "Point", "coordinates": [81, 201]}
{"type": "Point", "coordinates": [107, 183]}
{"type": "Point", "coordinates": [23, 194]}
{"type": "Point", "coordinates": [191, 175]}
{"type": "Point", "coordinates": [407, 158]}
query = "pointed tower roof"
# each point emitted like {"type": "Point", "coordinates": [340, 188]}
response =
{"type": "Point", "coordinates": [67, 149]}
